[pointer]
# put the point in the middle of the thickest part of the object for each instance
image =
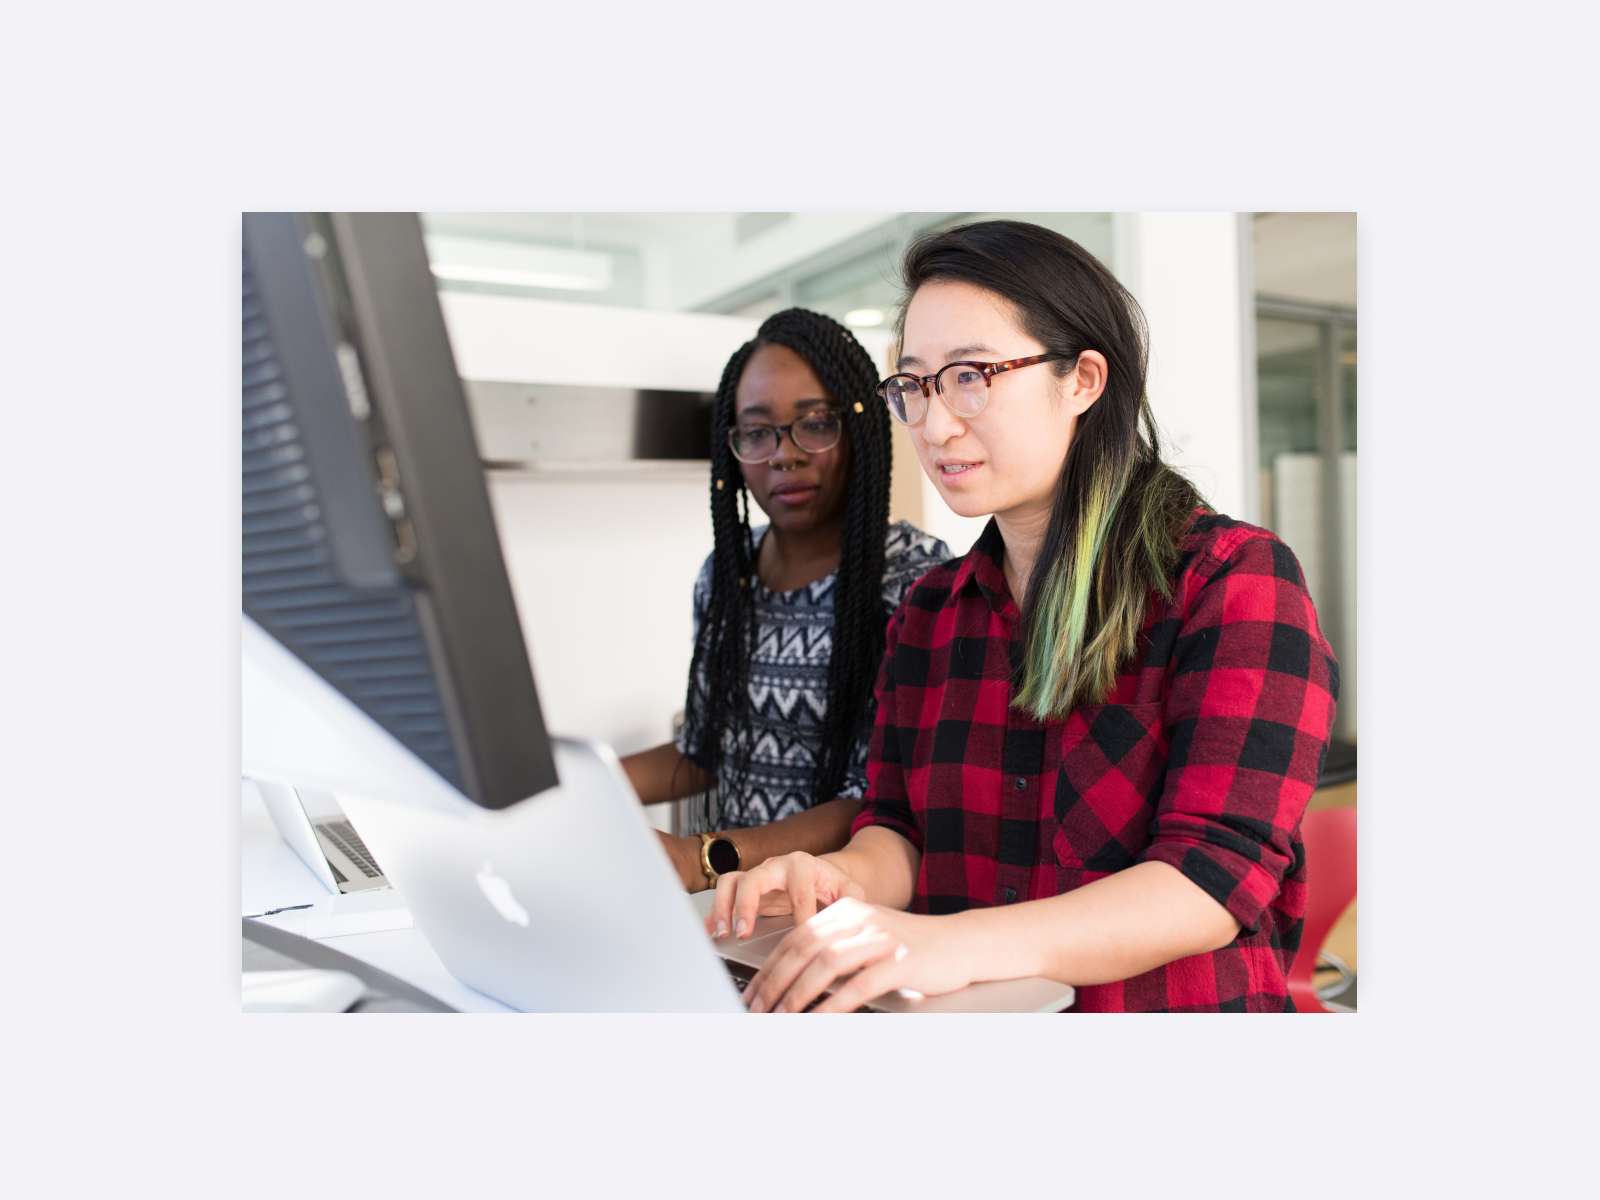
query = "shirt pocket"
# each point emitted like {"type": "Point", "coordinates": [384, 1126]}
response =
{"type": "Point", "coordinates": [1113, 766]}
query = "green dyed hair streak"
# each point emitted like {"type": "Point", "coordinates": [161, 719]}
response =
{"type": "Point", "coordinates": [1083, 619]}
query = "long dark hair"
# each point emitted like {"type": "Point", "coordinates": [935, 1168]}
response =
{"type": "Point", "coordinates": [1119, 510]}
{"type": "Point", "coordinates": [717, 714]}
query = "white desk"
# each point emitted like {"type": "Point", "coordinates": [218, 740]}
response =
{"type": "Point", "coordinates": [274, 877]}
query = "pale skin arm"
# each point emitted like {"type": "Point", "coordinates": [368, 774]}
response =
{"type": "Point", "coordinates": [1114, 928]}
{"type": "Point", "coordinates": [663, 773]}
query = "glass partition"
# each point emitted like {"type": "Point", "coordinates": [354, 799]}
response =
{"type": "Point", "coordinates": [1306, 386]}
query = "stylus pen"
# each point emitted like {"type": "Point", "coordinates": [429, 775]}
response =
{"type": "Point", "coordinates": [272, 912]}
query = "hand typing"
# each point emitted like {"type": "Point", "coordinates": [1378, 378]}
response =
{"type": "Point", "coordinates": [790, 883]}
{"type": "Point", "coordinates": [870, 949]}
{"type": "Point", "coordinates": [837, 934]}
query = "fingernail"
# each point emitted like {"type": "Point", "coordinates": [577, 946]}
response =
{"type": "Point", "coordinates": [722, 929]}
{"type": "Point", "coordinates": [744, 929]}
{"type": "Point", "coordinates": [777, 1008]}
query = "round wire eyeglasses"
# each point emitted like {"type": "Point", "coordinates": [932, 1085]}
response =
{"type": "Point", "coordinates": [816, 431]}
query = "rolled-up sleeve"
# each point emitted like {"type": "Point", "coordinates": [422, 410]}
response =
{"type": "Point", "coordinates": [887, 801]}
{"type": "Point", "coordinates": [1248, 717]}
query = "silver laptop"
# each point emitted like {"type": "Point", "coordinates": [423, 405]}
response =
{"type": "Point", "coordinates": [329, 846]}
{"type": "Point", "coordinates": [565, 902]}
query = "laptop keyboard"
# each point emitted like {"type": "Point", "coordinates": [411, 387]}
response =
{"type": "Point", "coordinates": [343, 835]}
{"type": "Point", "coordinates": [742, 975]}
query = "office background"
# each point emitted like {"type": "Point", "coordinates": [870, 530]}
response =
{"type": "Point", "coordinates": [579, 333]}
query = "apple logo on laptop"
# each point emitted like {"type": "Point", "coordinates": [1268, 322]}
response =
{"type": "Point", "coordinates": [498, 891]}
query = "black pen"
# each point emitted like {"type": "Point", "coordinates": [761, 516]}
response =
{"type": "Point", "coordinates": [275, 911]}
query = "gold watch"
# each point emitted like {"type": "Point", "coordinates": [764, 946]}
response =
{"type": "Point", "coordinates": [718, 856]}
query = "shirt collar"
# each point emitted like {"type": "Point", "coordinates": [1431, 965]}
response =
{"type": "Point", "coordinates": [982, 568]}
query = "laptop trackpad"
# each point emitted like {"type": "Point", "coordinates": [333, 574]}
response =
{"type": "Point", "coordinates": [753, 950]}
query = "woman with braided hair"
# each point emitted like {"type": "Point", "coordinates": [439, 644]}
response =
{"type": "Point", "coordinates": [790, 616]}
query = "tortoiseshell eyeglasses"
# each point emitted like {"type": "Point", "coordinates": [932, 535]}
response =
{"type": "Point", "coordinates": [963, 386]}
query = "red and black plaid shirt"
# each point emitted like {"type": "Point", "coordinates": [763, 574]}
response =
{"type": "Point", "coordinates": [1203, 757]}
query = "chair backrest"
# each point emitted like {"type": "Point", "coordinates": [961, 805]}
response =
{"type": "Point", "coordinates": [1330, 840]}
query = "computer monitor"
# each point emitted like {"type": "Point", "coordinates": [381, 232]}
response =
{"type": "Point", "coordinates": [369, 545]}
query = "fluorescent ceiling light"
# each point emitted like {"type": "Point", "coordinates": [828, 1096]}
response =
{"type": "Point", "coordinates": [479, 260]}
{"type": "Point", "coordinates": [864, 318]}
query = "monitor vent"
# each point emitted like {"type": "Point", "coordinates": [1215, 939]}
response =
{"type": "Point", "coordinates": [367, 642]}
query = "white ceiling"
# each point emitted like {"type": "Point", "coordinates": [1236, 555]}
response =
{"type": "Point", "coordinates": [1307, 256]}
{"type": "Point", "coordinates": [615, 229]}
{"type": "Point", "coordinates": [686, 259]}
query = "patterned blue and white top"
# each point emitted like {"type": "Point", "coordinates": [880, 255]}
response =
{"type": "Point", "coordinates": [789, 685]}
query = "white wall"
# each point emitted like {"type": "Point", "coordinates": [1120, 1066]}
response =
{"type": "Point", "coordinates": [518, 340]}
{"type": "Point", "coordinates": [957, 531]}
{"type": "Point", "coordinates": [603, 569]}
{"type": "Point", "coordinates": [602, 561]}
{"type": "Point", "coordinates": [1184, 269]}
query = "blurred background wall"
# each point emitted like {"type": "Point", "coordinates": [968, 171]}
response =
{"type": "Point", "coordinates": [592, 342]}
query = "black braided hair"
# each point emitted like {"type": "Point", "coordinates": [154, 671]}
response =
{"type": "Point", "coordinates": [718, 705]}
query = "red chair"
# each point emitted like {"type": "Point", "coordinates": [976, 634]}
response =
{"type": "Point", "coordinates": [1330, 840]}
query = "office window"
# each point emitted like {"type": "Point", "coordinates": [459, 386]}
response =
{"type": "Point", "coordinates": [856, 282]}
{"type": "Point", "coordinates": [1306, 384]}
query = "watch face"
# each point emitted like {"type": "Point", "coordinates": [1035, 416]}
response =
{"type": "Point", "coordinates": [723, 856]}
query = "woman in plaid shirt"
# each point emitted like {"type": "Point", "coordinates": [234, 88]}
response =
{"type": "Point", "coordinates": [1097, 732]}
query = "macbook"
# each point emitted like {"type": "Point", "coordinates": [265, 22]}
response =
{"type": "Point", "coordinates": [329, 846]}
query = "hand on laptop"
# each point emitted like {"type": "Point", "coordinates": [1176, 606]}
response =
{"type": "Point", "coordinates": [790, 883]}
{"type": "Point", "coordinates": [878, 865]}
{"type": "Point", "coordinates": [871, 950]}
{"type": "Point", "coordinates": [847, 911]}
